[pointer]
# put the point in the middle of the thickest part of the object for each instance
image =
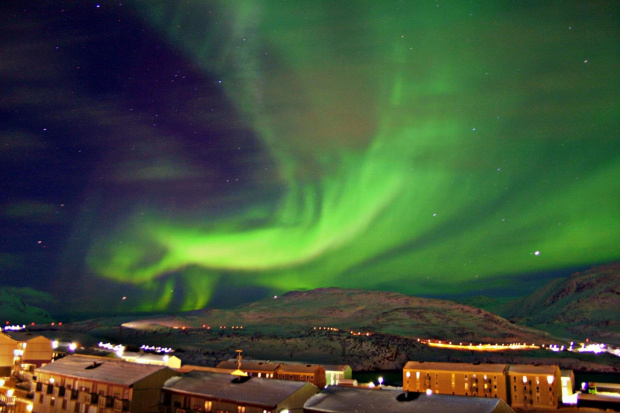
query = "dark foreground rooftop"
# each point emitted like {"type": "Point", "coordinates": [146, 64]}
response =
{"type": "Point", "coordinates": [349, 399]}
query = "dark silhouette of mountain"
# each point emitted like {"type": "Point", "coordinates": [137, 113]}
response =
{"type": "Point", "coordinates": [583, 305]}
{"type": "Point", "coordinates": [365, 311]}
{"type": "Point", "coordinates": [22, 305]}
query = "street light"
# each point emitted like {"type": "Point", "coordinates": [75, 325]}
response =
{"type": "Point", "coordinates": [380, 380]}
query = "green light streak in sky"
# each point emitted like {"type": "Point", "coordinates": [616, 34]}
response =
{"type": "Point", "coordinates": [411, 143]}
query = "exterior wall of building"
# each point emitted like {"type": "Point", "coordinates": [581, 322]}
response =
{"type": "Point", "coordinates": [296, 401]}
{"type": "Point", "coordinates": [7, 348]}
{"type": "Point", "coordinates": [533, 390]}
{"type": "Point", "coordinates": [71, 395]}
{"type": "Point", "coordinates": [38, 351]}
{"type": "Point", "coordinates": [315, 376]}
{"type": "Point", "coordinates": [146, 392]}
{"type": "Point", "coordinates": [460, 383]}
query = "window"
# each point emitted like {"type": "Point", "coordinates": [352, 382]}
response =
{"type": "Point", "coordinates": [240, 409]}
{"type": "Point", "coordinates": [52, 401]}
{"type": "Point", "coordinates": [64, 404]}
{"type": "Point", "coordinates": [208, 405]}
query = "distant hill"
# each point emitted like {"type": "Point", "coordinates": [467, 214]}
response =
{"type": "Point", "coordinates": [583, 305]}
{"type": "Point", "coordinates": [18, 306]}
{"type": "Point", "coordinates": [293, 327]}
{"type": "Point", "coordinates": [366, 311]}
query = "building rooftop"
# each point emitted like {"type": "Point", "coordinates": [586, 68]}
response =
{"type": "Point", "coordinates": [351, 399]}
{"type": "Point", "coordinates": [100, 369]}
{"type": "Point", "coordinates": [456, 367]}
{"type": "Point", "coordinates": [256, 391]}
{"type": "Point", "coordinates": [299, 368]}
{"type": "Point", "coordinates": [335, 367]}
{"type": "Point", "coordinates": [531, 369]}
{"type": "Point", "coordinates": [265, 366]}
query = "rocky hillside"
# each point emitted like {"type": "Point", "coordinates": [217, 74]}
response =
{"type": "Point", "coordinates": [363, 311]}
{"type": "Point", "coordinates": [19, 306]}
{"type": "Point", "coordinates": [583, 305]}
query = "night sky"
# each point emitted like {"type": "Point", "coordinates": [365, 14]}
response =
{"type": "Point", "coordinates": [172, 155]}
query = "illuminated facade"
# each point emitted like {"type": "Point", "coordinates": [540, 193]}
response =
{"type": "Point", "coordinates": [7, 354]}
{"type": "Point", "coordinates": [534, 386]}
{"type": "Point", "coordinates": [86, 384]}
{"type": "Point", "coordinates": [461, 379]}
{"type": "Point", "coordinates": [519, 385]}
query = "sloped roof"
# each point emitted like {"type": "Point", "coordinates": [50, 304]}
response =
{"type": "Point", "coordinates": [354, 399]}
{"type": "Point", "coordinates": [4, 338]}
{"type": "Point", "coordinates": [256, 391]}
{"type": "Point", "coordinates": [456, 367]}
{"type": "Point", "coordinates": [250, 365]}
{"type": "Point", "coordinates": [101, 369]}
{"type": "Point", "coordinates": [335, 367]}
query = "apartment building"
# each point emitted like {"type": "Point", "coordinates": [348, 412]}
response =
{"type": "Point", "coordinates": [534, 386]}
{"type": "Point", "coordinates": [87, 384]}
{"type": "Point", "coordinates": [461, 379]}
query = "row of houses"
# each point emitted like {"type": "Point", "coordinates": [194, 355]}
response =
{"type": "Point", "coordinates": [144, 383]}
{"type": "Point", "coordinates": [87, 384]}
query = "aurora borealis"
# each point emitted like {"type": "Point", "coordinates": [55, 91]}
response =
{"type": "Point", "coordinates": [162, 155]}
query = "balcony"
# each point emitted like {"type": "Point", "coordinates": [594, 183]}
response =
{"type": "Point", "coordinates": [121, 404]}
{"type": "Point", "coordinates": [106, 401]}
{"type": "Point", "coordinates": [91, 398]}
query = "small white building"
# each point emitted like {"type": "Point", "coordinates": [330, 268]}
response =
{"type": "Point", "coordinates": [152, 359]}
{"type": "Point", "coordinates": [335, 373]}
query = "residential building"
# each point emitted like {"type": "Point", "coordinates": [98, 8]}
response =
{"type": "Point", "coordinates": [335, 373]}
{"type": "Point", "coordinates": [7, 354]}
{"type": "Point", "coordinates": [461, 379]}
{"type": "Point", "coordinates": [254, 368]}
{"type": "Point", "coordinates": [87, 384]}
{"type": "Point", "coordinates": [534, 386]}
{"type": "Point", "coordinates": [200, 391]}
{"type": "Point", "coordinates": [361, 400]}
{"type": "Point", "coordinates": [312, 373]}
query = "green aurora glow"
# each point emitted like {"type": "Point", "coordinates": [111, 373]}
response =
{"type": "Point", "coordinates": [420, 147]}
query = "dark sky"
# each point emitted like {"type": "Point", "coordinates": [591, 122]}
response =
{"type": "Point", "coordinates": [166, 155]}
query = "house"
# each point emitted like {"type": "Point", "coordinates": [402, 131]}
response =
{"type": "Point", "coordinates": [30, 350]}
{"type": "Point", "coordinates": [461, 379]}
{"type": "Point", "coordinates": [87, 384]}
{"type": "Point", "coordinates": [200, 391]}
{"type": "Point", "coordinates": [37, 352]}
{"type": "Point", "coordinates": [334, 373]}
{"type": "Point", "coordinates": [7, 354]}
{"type": "Point", "coordinates": [360, 400]}
{"type": "Point", "coordinates": [312, 373]}
{"type": "Point", "coordinates": [534, 386]}
{"type": "Point", "coordinates": [254, 368]}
